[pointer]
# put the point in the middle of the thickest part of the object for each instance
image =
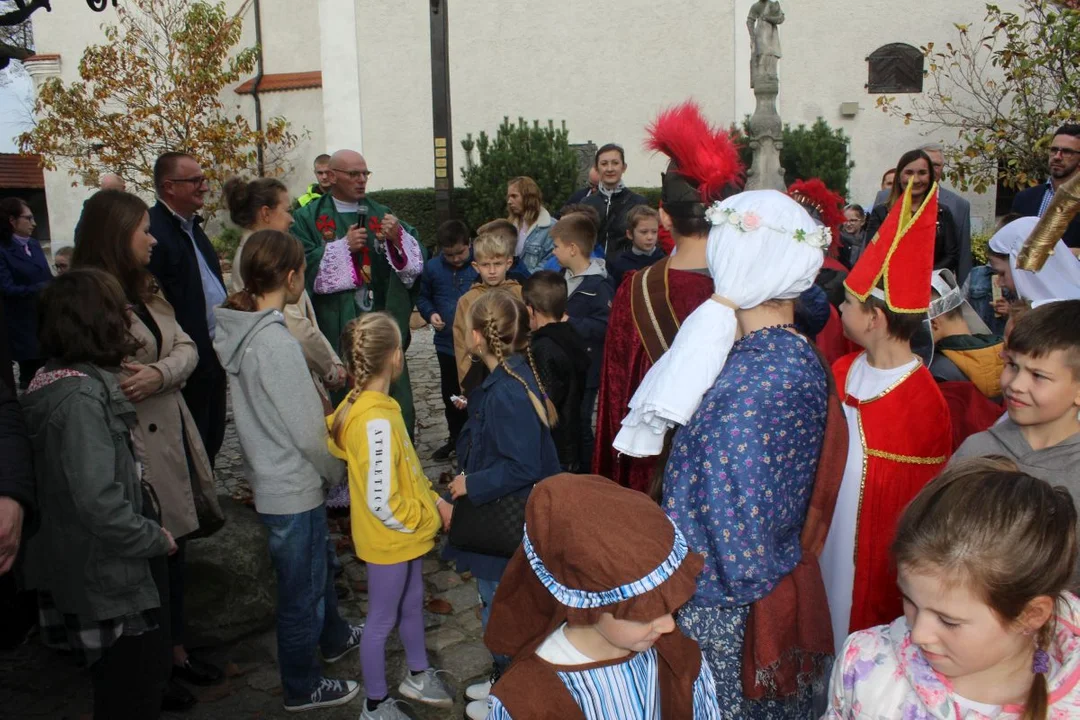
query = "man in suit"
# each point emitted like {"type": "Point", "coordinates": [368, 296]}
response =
{"type": "Point", "coordinates": [1064, 163]}
{"type": "Point", "coordinates": [187, 268]}
{"type": "Point", "coordinates": [958, 206]}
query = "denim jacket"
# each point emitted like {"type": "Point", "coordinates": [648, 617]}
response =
{"type": "Point", "coordinates": [504, 449]}
{"type": "Point", "coordinates": [538, 243]}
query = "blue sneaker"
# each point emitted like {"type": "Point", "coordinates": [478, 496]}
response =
{"type": "Point", "coordinates": [351, 643]}
{"type": "Point", "coordinates": [328, 693]}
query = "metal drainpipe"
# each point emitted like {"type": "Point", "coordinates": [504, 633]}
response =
{"type": "Point", "coordinates": [255, 87]}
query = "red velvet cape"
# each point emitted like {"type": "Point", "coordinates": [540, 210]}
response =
{"type": "Point", "coordinates": [624, 367]}
{"type": "Point", "coordinates": [906, 436]}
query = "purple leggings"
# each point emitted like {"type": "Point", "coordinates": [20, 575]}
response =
{"type": "Point", "coordinates": [395, 597]}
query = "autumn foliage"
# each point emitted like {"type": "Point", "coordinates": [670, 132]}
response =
{"type": "Point", "coordinates": [155, 85]}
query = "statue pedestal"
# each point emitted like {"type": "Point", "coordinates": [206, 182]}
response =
{"type": "Point", "coordinates": [766, 139]}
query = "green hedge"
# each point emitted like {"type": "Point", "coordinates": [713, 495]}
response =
{"type": "Point", "coordinates": [416, 206]}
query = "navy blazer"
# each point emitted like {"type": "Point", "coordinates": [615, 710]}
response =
{"type": "Point", "coordinates": [176, 268]}
{"type": "Point", "coordinates": [22, 278]}
{"type": "Point", "coordinates": [441, 286]}
{"type": "Point", "coordinates": [1027, 202]}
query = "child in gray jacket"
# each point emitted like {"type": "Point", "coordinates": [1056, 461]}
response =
{"type": "Point", "coordinates": [282, 430]}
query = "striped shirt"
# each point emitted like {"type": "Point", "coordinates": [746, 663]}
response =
{"type": "Point", "coordinates": [625, 691]}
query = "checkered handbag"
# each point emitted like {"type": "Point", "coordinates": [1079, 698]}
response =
{"type": "Point", "coordinates": [494, 528]}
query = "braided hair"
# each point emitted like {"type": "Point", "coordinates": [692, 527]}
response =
{"type": "Point", "coordinates": [503, 322]}
{"type": "Point", "coordinates": [368, 345]}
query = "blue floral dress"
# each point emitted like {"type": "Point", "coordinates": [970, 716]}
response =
{"type": "Point", "coordinates": [738, 485]}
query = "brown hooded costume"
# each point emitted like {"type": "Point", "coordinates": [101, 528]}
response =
{"type": "Point", "coordinates": [573, 566]}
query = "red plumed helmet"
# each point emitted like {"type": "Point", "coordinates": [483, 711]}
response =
{"type": "Point", "coordinates": [703, 155]}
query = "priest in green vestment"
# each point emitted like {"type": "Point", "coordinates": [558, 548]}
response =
{"type": "Point", "coordinates": [360, 258]}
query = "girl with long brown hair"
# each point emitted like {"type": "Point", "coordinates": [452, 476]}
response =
{"type": "Point", "coordinates": [282, 430]}
{"type": "Point", "coordinates": [114, 236]}
{"type": "Point", "coordinates": [985, 555]}
{"type": "Point", "coordinates": [505, 447]}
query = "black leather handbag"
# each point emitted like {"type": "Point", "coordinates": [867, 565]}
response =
{"type": "Point", "coordinates": [494, 528]}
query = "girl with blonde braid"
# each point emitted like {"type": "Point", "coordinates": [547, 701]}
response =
{"type": "Point", "coordinates": [395, 513]}
{"type": "Point", "coordinates": [505, 447]}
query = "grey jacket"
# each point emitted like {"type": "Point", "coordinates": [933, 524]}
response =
{"type": "Point", "coordinates": [279, 416]}
{"type": "Point", "coordinates": [93, 543]}
{"type": "Point", "coordinates": [1058, 464]}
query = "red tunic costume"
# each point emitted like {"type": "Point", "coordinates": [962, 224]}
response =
{"type": "Point", "coordinates": [625, 364]}
{"type": "Point", "coordinates": [896, 466]}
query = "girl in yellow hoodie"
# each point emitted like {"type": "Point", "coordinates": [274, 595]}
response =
{"type": "Point", "coordinates": [395, 513]}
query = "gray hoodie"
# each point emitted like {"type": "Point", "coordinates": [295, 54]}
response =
{"type": "Point", "coordinates": [1058, 464]}
{"type": "Point", "coordinates": [279, 416]}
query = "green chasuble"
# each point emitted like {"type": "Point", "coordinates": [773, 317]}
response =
{"type": "Point", "coordinates": [319, 222]}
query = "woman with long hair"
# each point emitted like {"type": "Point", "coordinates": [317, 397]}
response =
{"type": "Point", "coordinates": [916, 168]}
{"type": "Point", "coordinates": [525, 208]}
{"type": "Point", "coordinates": [24, 272]}
{"type": "Point", "coordinates": [263, 204]}
{"type": "Point", "coordinates": [115, 237]}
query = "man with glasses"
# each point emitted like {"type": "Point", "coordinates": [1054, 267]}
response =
{"type": "Point", "coordinates": [1064, 163]}
{"type": "Point", "coordinates": [187, 268]}
{"type": "Point", "coordinates": [360, 258]}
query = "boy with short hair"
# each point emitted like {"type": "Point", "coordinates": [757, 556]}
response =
{"type": "Point", "coordinates": [492, 258]}
{"type": "Point", "coordinates": [588, 303]}
{"type": "Point", "coordinates": [508, 233]}
{"type": "Point", "coordinates": [642, 229]}
{"type": "Point", "coordinates": [446, 278]}
{"type": "Point", "coordinates": [562, 361]}
{"type": "Point", "coordinates": [899, 428]}
{"type": "Point", "coordinates": [964, 348]}
{"type": "Point", "coordinates": [1041, 384]}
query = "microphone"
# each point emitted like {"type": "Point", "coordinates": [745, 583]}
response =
{"type": "Point", "coordinates": [362, 212]}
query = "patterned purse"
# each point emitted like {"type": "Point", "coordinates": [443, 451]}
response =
{"type": "Point", "coordinates": [494, 528]}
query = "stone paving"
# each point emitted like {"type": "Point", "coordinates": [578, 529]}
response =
{"type": "Point", "coordinates": [36, 683]}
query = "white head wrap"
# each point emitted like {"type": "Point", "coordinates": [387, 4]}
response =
{"type": "Point", "coordinates": [763, 246]}
{"type": "Point", "coordinates": [1059, 278]}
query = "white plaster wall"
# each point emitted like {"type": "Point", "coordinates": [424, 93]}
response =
{"type": "Point", "coordinates": [825, 45]}
{"type": "Point", "coordinates": [607, 69]}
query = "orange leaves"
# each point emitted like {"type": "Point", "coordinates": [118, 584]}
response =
{"type": "Point", "coordinates": [153, 86]}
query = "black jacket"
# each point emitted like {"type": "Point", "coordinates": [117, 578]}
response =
{"type": "Point", "coordinates": [588, 308]}
{"type": "Point", "coordinates": [176, 268]}
{"type": "Point", "coordinates": [17, 468]}
{"type": "Point", "coordinates": [629, 260]}
{"type": "Point", "coordinates": [946, 244]}
{"type": "Point", "coordinates": [612, 236]}
{"type": "Point", "coordinates": [562, 360]}
{"type": "Point", "coordinates": [1027, 203]}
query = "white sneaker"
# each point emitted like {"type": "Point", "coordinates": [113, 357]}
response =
{"type": "Point", "coordinates": [478, 691]}
{"type": "Point", "coordinates": [477, 710]}
{"type": "Point", "coordinates": [389, 709]}
{"type": "Point", "coordinates": [428, 687]}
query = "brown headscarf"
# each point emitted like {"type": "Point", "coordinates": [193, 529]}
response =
{"type": "Point", "coordinates": [593, 547]}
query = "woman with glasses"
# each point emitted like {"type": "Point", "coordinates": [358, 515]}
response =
{"type": "Point", "coordinates": [24, 272]}
{"type": "Point", "coordinates": [852, 235]}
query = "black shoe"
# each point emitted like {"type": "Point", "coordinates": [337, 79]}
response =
{"type": "Point", "coordinates": [446, 452]}
{"type": "Point", "coordinates": [198, 672]}
{"type": "Point", "coordinates": [177, 698]}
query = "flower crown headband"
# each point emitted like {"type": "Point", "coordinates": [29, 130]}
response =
{"type": "Point", "coordinates": [749, 221]}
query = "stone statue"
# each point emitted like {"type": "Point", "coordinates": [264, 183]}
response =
{"type": "Point", "coordinates": [762, 21]}
{"type": "Point", "coordinates": [766, 128]}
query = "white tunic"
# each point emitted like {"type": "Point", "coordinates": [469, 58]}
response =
{"type": "Point", "coordinates": [838, 556]}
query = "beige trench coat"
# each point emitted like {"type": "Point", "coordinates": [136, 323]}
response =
{"type": "Point", "coordinates": [164, 422]}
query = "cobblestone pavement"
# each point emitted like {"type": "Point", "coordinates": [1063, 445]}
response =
{"type": "Point", "coordinates": [36, 683]}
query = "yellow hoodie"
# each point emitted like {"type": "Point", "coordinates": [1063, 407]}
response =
{"type": "Point", "coordinates": [394, 518]}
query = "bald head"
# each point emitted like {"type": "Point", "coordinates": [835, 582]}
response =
{"type": "Point", "coordinates": [349, 175]}
{"type": "Point", "coordinates": [111, 181]}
